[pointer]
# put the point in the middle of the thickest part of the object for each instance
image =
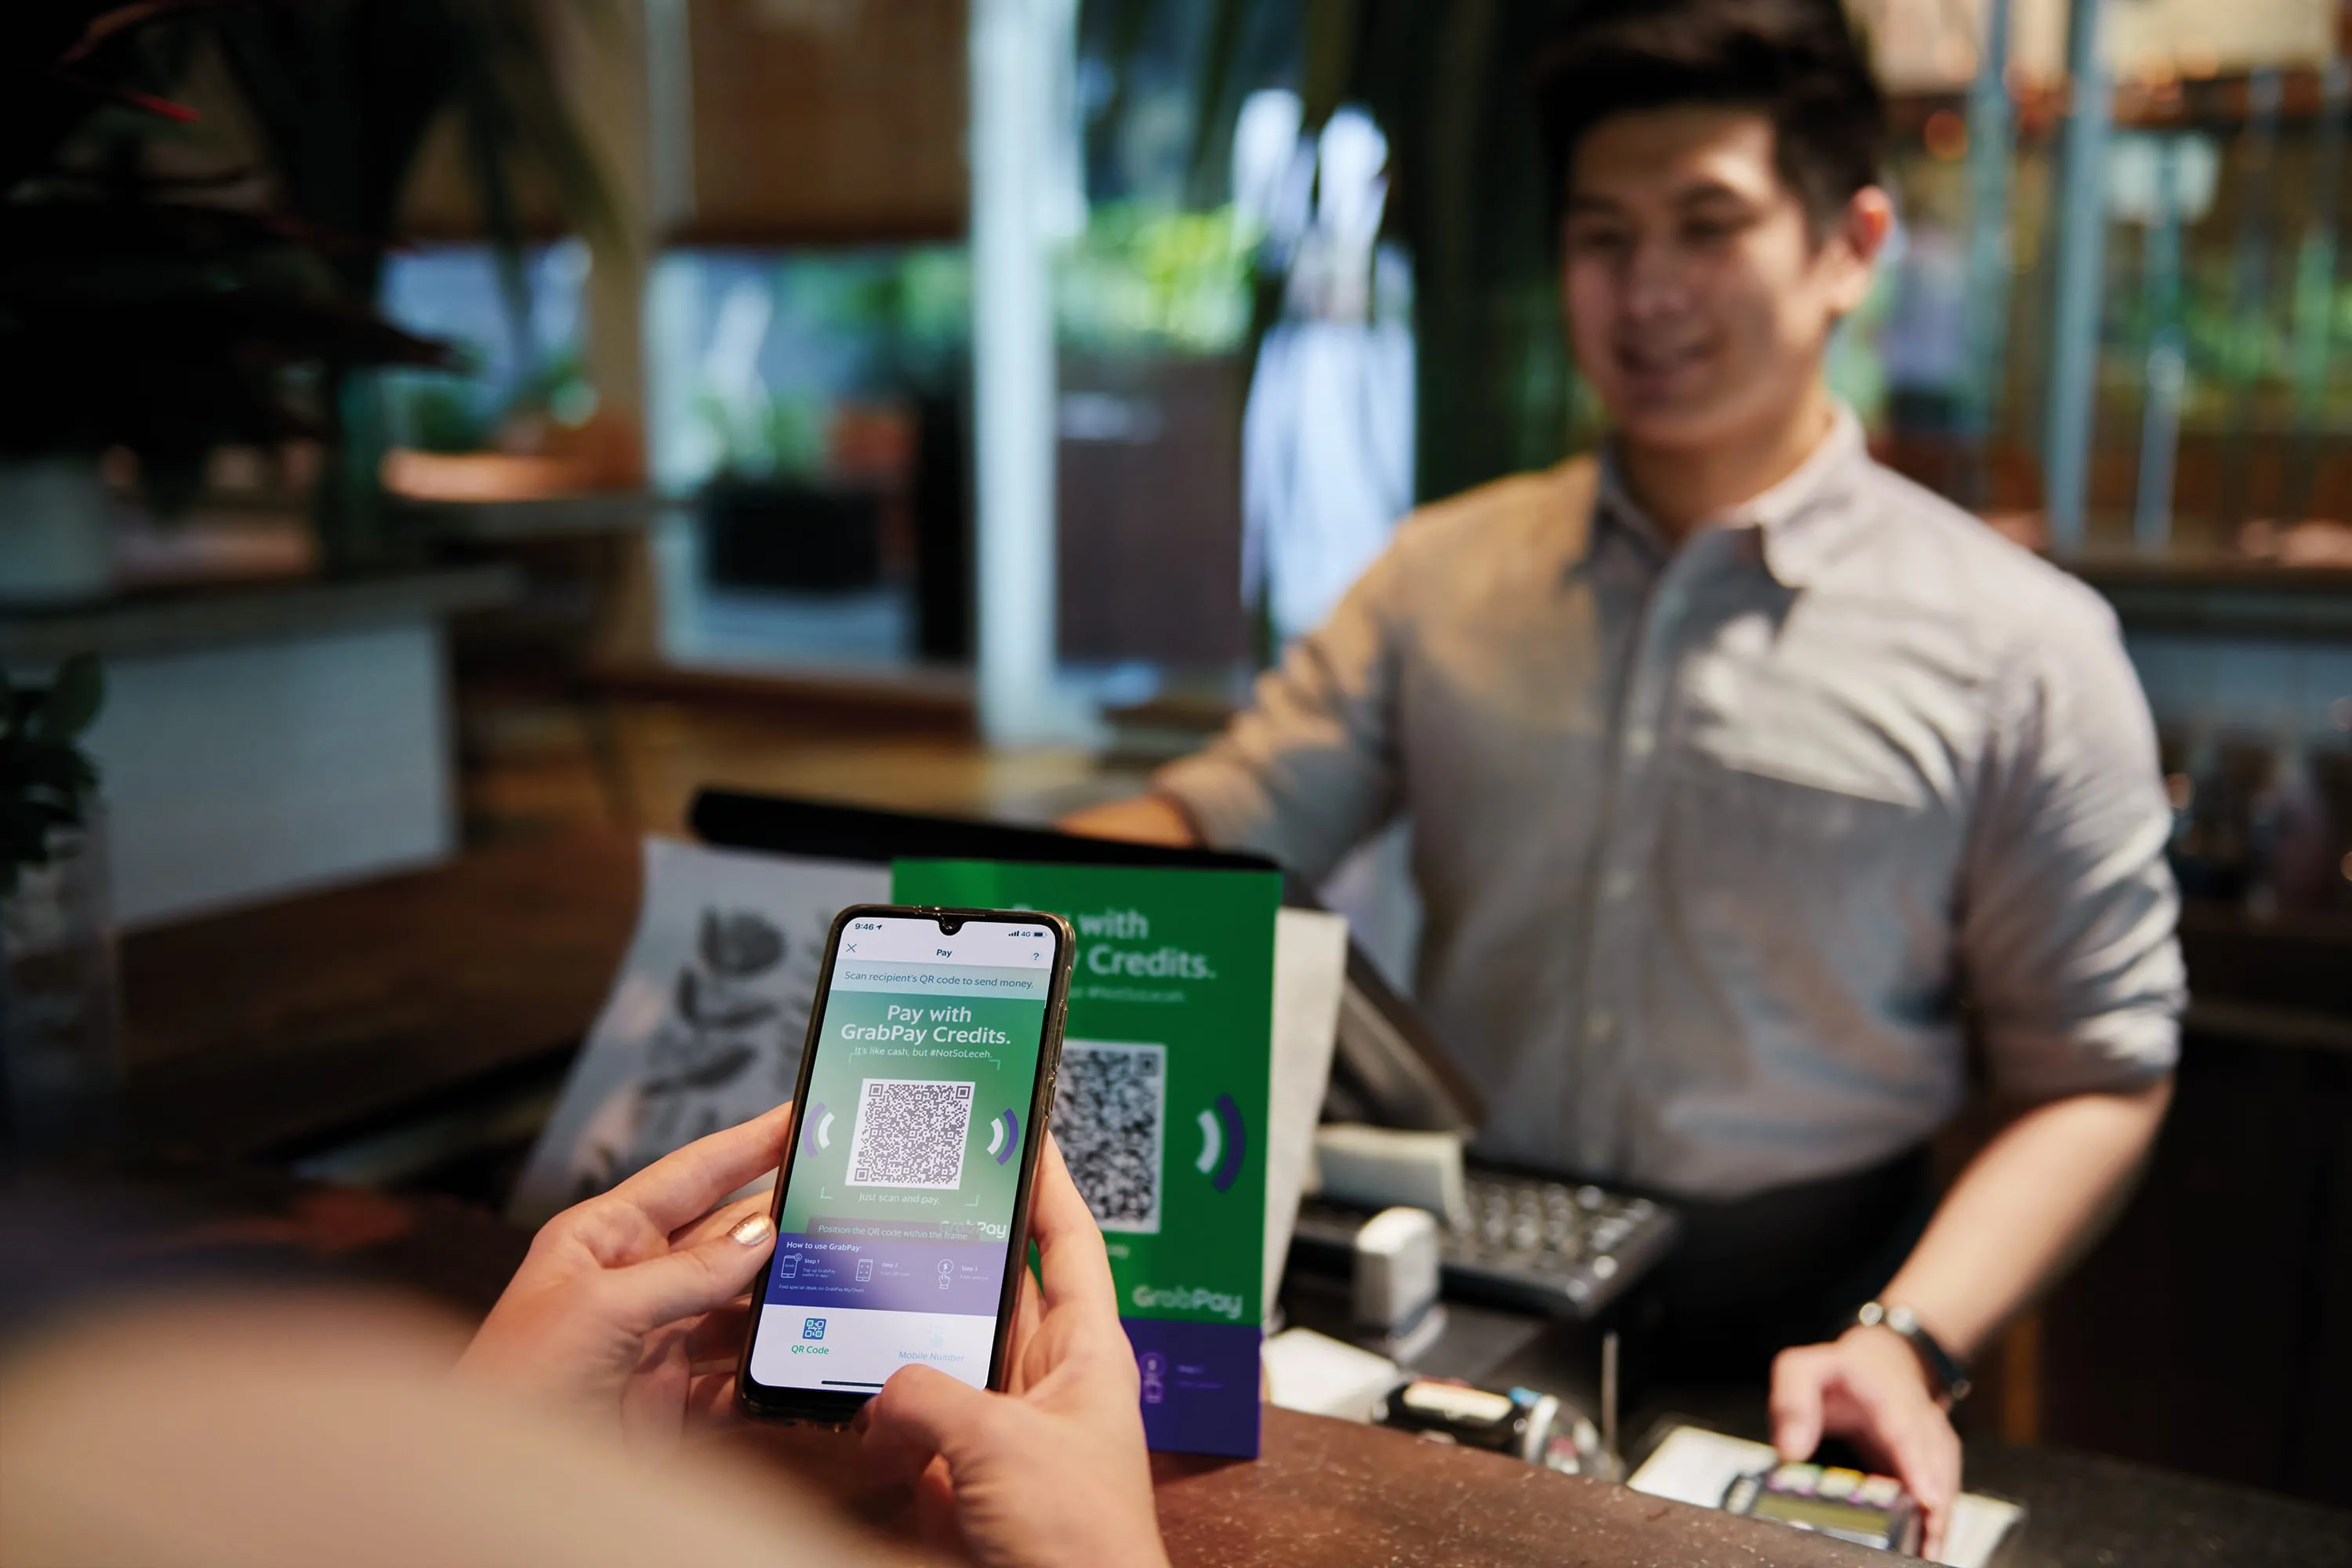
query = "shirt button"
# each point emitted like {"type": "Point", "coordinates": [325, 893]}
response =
{"type": "Point", "coordinates": [1597, 1024]}
{"type": "Point", "coordinates": [1620, 883]}
{"type": "Point", "coordinates": [1639, 740]}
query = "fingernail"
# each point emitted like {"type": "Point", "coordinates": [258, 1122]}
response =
{"type": "Point", "coordinates": [754, 1231]}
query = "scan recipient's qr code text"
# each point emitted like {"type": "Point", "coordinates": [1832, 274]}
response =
{"type": "Point", "coordinates": [910, 1133]}
{"type": "Point", "coordinates": [1110, 1115]}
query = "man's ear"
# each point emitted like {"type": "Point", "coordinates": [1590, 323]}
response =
{"type": "Point", "coordinates": [1860, 234]}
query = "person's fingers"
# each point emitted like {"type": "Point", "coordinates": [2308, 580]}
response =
{"type": "Point", "coordinates": [1074, 1266]}
{"type": "Point", "coordinates": [1028, 1328]}
{"type": "Point", "coordinates": [676, 1188]}
{"type": "Point", "coordinates": [654, 1398]}
{"type": "Point", "coordinates": [1901, 1425]}
{"type": "Point", "coordinates": [691, 1280]}
{"type": "Point", "coordinates": [1028, 1323]}
{"type": "Point", "coordinates": [725, 1217]}
{"type": "Point", "coordinates": [1937, 1517]}
{"type": "Point", "coordinates": [936, 1523]}
{"type": "Point", "coordinates": [717, 1337]}
{"type": "Point", "coordinates": [710, 1401]}
{"type": "Point", "coordinates": [1815, 1389]}
{"type": "Point", "coordinates": [1911, 1437]}
{"type": "Point", "coordinates": [1923, 1453]}
{"type": "Point", "coordinates": [1800, 1378]}
{"type": "Point", "coordinates": [922, 1413]}
{"type": "Point", "coordinates": [1938, 1486]}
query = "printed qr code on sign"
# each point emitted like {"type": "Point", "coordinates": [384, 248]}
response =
{"type": "Point", "coordinates": [1110, 1116]}
{"type": "Point", "coordinates": [910, 1133]}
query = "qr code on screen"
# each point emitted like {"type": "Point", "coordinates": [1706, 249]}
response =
{"type": "Point", "coordinates": [910, 1133]}
{"type": "Point", "coordinates": [1110, 1116]}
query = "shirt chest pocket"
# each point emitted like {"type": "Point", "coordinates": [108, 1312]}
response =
{"type": "Point", "coordinates": [1776, 873]}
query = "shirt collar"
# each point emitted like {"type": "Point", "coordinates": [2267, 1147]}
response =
{"type": "Point", "coordinates": [1796, 520]}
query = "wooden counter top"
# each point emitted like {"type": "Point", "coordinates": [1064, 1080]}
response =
{"type": "Point", "coordinates": [264, 1031]}
{"type": "Point", "coordinates": [1332, 1494]}
{"type": "Point", "coordinates": [170, 622]}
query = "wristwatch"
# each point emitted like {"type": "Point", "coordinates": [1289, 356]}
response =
{"type": "Point", "coordinates": [1949, 1373]}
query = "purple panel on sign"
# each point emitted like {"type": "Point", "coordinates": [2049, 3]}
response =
{"type": "Point", "coordinates": [1200, 1385]}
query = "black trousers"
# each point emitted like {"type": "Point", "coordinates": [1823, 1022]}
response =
{"type": "Point", "coordinates": [1752, 1276]}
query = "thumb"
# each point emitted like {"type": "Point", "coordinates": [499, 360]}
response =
{"type": "Point", "coordinates": [1799, 1380]}
{"type": "Point", "coordinates": [691, 1280]}
{"type": "Point", "coordinates": [922, 1412]}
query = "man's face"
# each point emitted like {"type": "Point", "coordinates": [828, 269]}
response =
{"type": "Point", "coordinates": [1698, 300]}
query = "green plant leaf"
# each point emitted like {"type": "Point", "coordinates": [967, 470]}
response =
{"type": "Point", "coordinates": [56, 767]}
{"type": "Point", "coordinates": [24, 834]}
{"type": "Point", "coordinates": [51, 812]}
{"type": "Point", "coordinates": [75, 694]}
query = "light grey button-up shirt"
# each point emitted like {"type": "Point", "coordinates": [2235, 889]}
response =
{"type": "Point", "coordinates": [1712, 841]}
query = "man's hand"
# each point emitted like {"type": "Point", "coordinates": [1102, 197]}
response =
{"type": "Point", "coordinates": [2034, 1197]}
{"type": "Point", "coordinates": [1867, 1386]}
{"type": "Point", "coordinates": [627, 1301]}
{"type": "Point", "coordinates": [1141, 819]}
{"type": "Point", "coordinates": [1053, 1470]}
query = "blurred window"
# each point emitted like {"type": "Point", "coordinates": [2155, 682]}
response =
{"type": "Point", "coordinates": [811, 400]}
{"type": "Point", "coordinates": [513, 363]}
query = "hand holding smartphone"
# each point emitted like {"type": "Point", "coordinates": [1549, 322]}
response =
{"type": "Point", "coordinates": [902, 1201]}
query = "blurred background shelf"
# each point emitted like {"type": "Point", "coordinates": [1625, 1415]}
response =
{"type": "Point", "coordinates": [259, 740]}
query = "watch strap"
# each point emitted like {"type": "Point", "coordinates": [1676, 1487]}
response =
{"type": "Point", "coordinates": [1949, 1373]}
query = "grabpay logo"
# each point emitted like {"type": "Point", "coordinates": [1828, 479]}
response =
{"type": "Point", "coordinates": [1188, 1299]}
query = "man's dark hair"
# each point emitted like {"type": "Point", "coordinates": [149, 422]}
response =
{"type": "Point", "coordinates": [1797, 62]}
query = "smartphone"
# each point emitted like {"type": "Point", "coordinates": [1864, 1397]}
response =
{"type": "Point", "coordinates": [902, 1199]}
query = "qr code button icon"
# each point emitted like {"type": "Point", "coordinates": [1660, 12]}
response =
{"type": "Point", "coordinates": [813, 1328]}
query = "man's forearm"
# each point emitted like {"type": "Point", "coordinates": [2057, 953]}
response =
{"type": "Point", "coordinates": [1140, 819]}
{"type": "Point", "coordinates": [2023, 1210]}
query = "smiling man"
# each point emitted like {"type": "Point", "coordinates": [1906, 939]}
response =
{"type": "Point", "coordinates": [1741, 771]}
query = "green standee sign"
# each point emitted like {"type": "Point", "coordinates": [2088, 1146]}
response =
{"type": "Point", "coordinates": [1161, 1110]}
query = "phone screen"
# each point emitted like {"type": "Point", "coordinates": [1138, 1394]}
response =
{"type": "Point", "coordinates": [894, 1229]}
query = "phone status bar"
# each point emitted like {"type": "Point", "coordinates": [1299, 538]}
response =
{"type": "Point", "coordinates": [897, 939]}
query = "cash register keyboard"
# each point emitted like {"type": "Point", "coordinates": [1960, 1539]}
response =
{"type": "Point", "coordinates": [1560, 1248]}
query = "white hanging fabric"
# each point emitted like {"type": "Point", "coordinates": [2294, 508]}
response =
{"type": "Point", "coordinates": [1327, 433]}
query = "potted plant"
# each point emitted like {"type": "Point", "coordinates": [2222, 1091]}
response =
{"type": "Point", "coordinates": [343, 98]}
{"type": "Point", "coordinates": [137, 314]}
{"type": "Point", "coordinates": [169, 316]}
{"type": "Point", "coordinates": [58, 1059]}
